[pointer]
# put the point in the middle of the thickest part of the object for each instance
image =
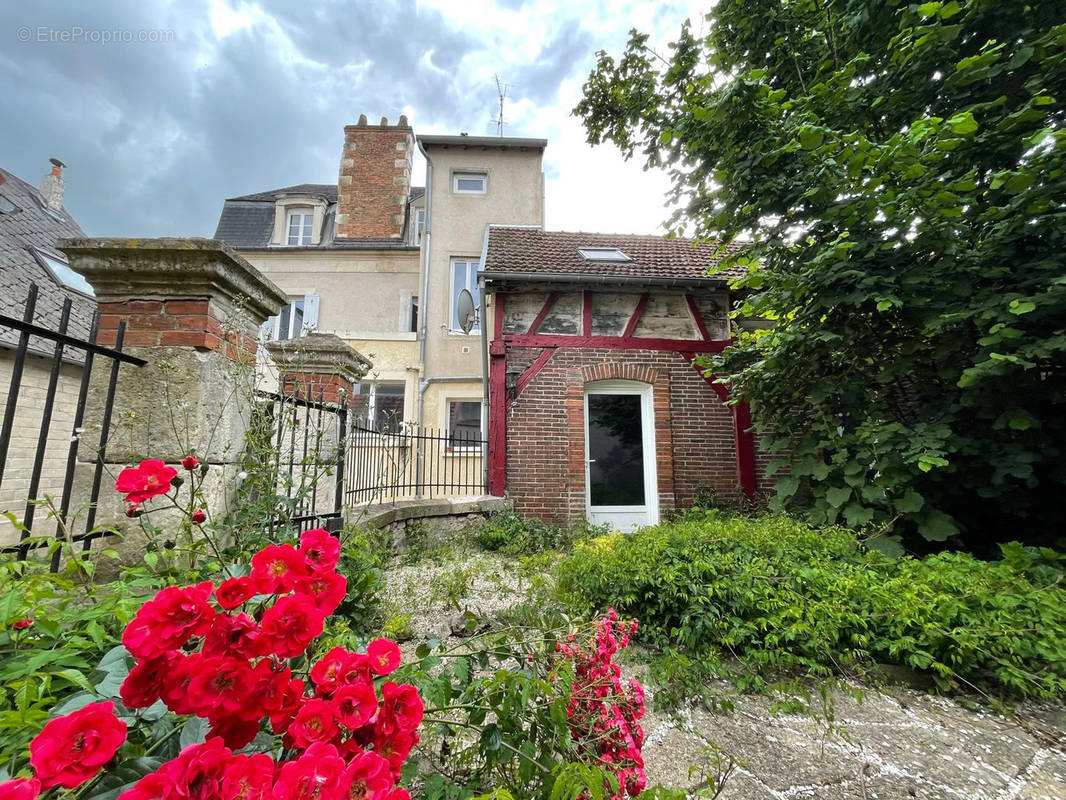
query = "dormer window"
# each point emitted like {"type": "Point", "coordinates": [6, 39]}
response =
{"type": "Point", "coordinates": [602, 254]}
{"type": "Point", "coordinates": [299, 226]}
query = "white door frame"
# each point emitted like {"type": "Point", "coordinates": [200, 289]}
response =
{"type": "Point", "coordinates": [627, 518]}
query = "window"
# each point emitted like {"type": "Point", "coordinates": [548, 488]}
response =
{"type": "Point", "coordinates": [63, 274]}
{"type": "Point", "coordinates": [413, 315]}
{"type": "Point", "coordinates": [603, 254]}
{"type": "Point", "coordinates": [420, 224]}
{"type": "Point", "coordinates": [7, 207]}
{"type": "Point", "coordinates": [464, 424]}
{"type": "Point", "coordinates": [299, 226]}
{"type": "Point", "coordinates": [299, 315]}
{"type": "Point", "coordinates": [470, 182]}
{"type": "Point", "coordinates": [381, 405]}
{"type": "Point", "coordinates": [464, 276]}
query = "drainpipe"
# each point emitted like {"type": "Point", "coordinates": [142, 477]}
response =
{"type": "Point", "coordinates": [423, 384]}
{"type": "Point", "coordinates": [484, 364]}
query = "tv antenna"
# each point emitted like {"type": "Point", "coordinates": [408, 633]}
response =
{"type": "Point", "coordinates": [501, 90]}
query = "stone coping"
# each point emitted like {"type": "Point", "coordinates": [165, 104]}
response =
{"type": "Point", "coordinates": [382, 514]}
{"type": "Point", "coordinates": [319, 354]}
{"type": "Point", "coordinates": [122, 269]}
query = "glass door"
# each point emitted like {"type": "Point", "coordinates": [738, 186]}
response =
{"type": "Point", "coordinates": [620, 448]}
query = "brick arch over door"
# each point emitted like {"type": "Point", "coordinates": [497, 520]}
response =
{"type": "Point", "coordinates": [694, 435]}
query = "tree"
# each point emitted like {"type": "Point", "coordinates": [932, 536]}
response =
{"type": "Point", "coordinates": [899, 169]}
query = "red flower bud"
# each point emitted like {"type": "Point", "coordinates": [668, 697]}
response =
{"type": "Point", "coordinates": [199, 516]}
{"type": "Point", "coordinates": [134, 510]}
{"type": "Point", "coordinates": [22, 624]}
{"type": "Point", "coordinates": [190, 463]}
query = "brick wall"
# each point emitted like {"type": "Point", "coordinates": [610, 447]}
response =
{"type": "Point", "coordinates": [545, 430]}
{"type": "Point", "coordinates": [374, 180]}
{"type": "Point", "coordinates": [175, 323]}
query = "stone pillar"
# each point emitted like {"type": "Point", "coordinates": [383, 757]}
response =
{"type": "Point", "coordinates": [192, 309]}
{"type": "Point", "coordinates": [318, 367]}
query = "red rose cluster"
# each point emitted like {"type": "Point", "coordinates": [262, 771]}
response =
{"type": "Point", "coordinates": [347, 736]}
{"type": "Point", "coordinates": [603, 712]}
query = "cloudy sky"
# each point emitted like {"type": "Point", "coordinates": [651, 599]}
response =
{"type": "Point", "coordinates": [226, 97]}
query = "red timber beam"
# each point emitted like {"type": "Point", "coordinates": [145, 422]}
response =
{"type": "Point", "coordinates": [615, 342]}
{"type": "Point", "coordinates": [530, 373]}
{"type": "Point", "coordinates": [549, 303]}
{"type": "Point", "coordinates": [637, 313]}
{"type": "Point", "coordinates": [497, 403]}
{"type": "Point", "coordinates": [701, 326]}
{"type": "Point", "coordinates": [743, 439]}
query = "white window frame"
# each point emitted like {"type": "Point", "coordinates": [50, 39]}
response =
{"type": "Point", "coordinates": [271, 329]}
{"type": "Point", "coordinates": [451, 448]}
{"type": "Point", "coordinates": [372, 402]}
{"type": "Point", "coordinates": [602, 254]}
{"type": "Point", "coordinates": [420, 224]}
{"type": "Point", "coordinates": [306, 234]}
{"type": "Point", "coordinates": [482, 176]}
{"type": "Point", "coordinates": [453, 320]}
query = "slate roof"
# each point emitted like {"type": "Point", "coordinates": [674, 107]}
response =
{"type": "Point", "coordinates": [247, 222]}
{"type": "Point", "coordinates": [29, 227]}
{"type": "Point", "coordinates": [542, 254]}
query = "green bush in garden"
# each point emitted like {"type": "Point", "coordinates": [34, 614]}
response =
{"type": "Point", "coordinates": [510, 534]}
{"type": "Point", "coordinates": [787, 597]}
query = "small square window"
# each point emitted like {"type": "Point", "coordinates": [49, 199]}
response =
{"type": "Point", "coordinates": [63, 274]}
{"type": "Point", "coordinates": [464, 424]}
{"type": "Point", "coordinates": [470, 183]}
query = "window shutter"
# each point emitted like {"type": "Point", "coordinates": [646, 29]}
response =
{"type": "Point", "coordinates": [311, 311]}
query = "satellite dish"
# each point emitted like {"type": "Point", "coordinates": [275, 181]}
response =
{"type": "Point", "coordinates": [465, 311]}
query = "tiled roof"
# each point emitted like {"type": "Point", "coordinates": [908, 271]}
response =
{"type": "Point", "coordinates": [31, 226]}
{"type": "Point", "coordinates": [543, 254]}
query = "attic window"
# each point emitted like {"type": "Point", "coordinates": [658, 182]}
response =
{"type": "Point", "coordinates": [63, 274]}
{"type": "Point", "coordinates": [7, 207]}
{"type": "Point", "coordinates": [602, 254]}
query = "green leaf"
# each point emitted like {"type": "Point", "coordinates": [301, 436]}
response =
{"type": "Point", "coordinates": [491, 741]}
{"type": "Point", "coordinates": [910, 503]}
{"type": "Point", "coordinates": [929, 9]}
{"type": "Point", "coordinates": [122, 777]}
{"type": "Point", "coordinates": [1021, 306]}
{"type": "Point", "coordinates": [810, 138]}
{"type": "Point", "coordinates": [963, 123]}
{"type": "Point", "coordinates": [837, 496]}
{"type": "Point", "coordinates": [937, 526]}
{"type": "Point", "coordinates": [194, 731]}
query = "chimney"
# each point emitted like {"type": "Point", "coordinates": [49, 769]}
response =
{"type": "Point", "coordinates": [52, 186]}
{"type": "Point", "coordinates": [375, 179]}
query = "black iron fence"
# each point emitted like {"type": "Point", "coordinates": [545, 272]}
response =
{"type": "Point", "coordinates": [306, 458]}
{"type": "Point", "coordinates": [68, 353]}
{"type": "Point", "coordinates": [412, 462]}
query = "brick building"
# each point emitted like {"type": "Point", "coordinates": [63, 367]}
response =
{"type": "Point", "coordinates": [595, 407]}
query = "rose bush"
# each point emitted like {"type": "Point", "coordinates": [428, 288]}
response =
{"type": "Point", "coordinates": [234, 656]}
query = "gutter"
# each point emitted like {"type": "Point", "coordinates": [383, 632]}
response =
{"type": "Point", "coordinates": [620, 280]}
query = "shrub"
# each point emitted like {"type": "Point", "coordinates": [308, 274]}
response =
{"type": "Point", "coordinates": [786, 597]}
{"type": "Point", "coordinates": [510, 534]}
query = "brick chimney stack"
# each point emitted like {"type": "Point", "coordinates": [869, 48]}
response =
{"type": "Point", "coordinates": [52, 186]}
{"type": "Point", "coordinates": [375, 179]}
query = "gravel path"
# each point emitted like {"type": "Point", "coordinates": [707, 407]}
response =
{"type": "Point", "coordinates": [894, 744]}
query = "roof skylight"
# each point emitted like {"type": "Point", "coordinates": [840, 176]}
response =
{"type": "Point", "coordinates": [603, 254]}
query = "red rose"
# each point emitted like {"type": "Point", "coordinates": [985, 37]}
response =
{"type": "Point", "coordinates": [401, 708]}
{"type": "Point", "coordinates": [190, 463]}
{"type": "Point", "coordinates": [318, 773]}
{"type": "Point", "coordinates": [270, 685]}
{"type": "Point", "coordinates": [20, 789]}
{"type": "Point", "coordinates": [71, 749]}
{"type": "Point", "coordinates": [398, 793]}
{"type": "Point", "coordinates": [248, 777]}
{"type": "Point", "coordinates": [168, 620]}
{"type": "Point", "coordinates": [220, 686]}
{"type": "Point", "coordinates": [293, 696]}
{"type": "Point", "coordinates": [147, 480]}
{"type": "Point", "coordinates": [234, 732]}
{"type": "Point", "coordinates": [176, 688]}
{"type": "Point", "coordinates": [321, 549]}
{"type": "Point", "coordinates": [290, 625]}
{"type": "Point", "coordinates": [233, 635]}
{"type": "Point", "coordinates": [314, 722]}
{"type": "Point", "coordinates": [233, 592]}
{"type": "Point", "coordinates": [326, 589]}
{"type": "Point", "coordinates": [276, 568]}
{"type": "Point", "coordinates": [325, 673]}
{"type": "Point", "coordinates": [144, 684]}
{"type": "Point", "coordinates": [394, 749]}
{"type": "Point", "coordinates": [153, 786]}
{"type": "Point", "coordinates": [355, 705]}
{"type": "Point", "coordinates": [198, 516]}
{"type": "Point", "coordinates": [22, 624]}
{"type": "Point", "coordinates": [369, 776]}
{"type": "Point", "coordinates": [199, 770]}
{"type": "Point", "coordinates": [384, 656]}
